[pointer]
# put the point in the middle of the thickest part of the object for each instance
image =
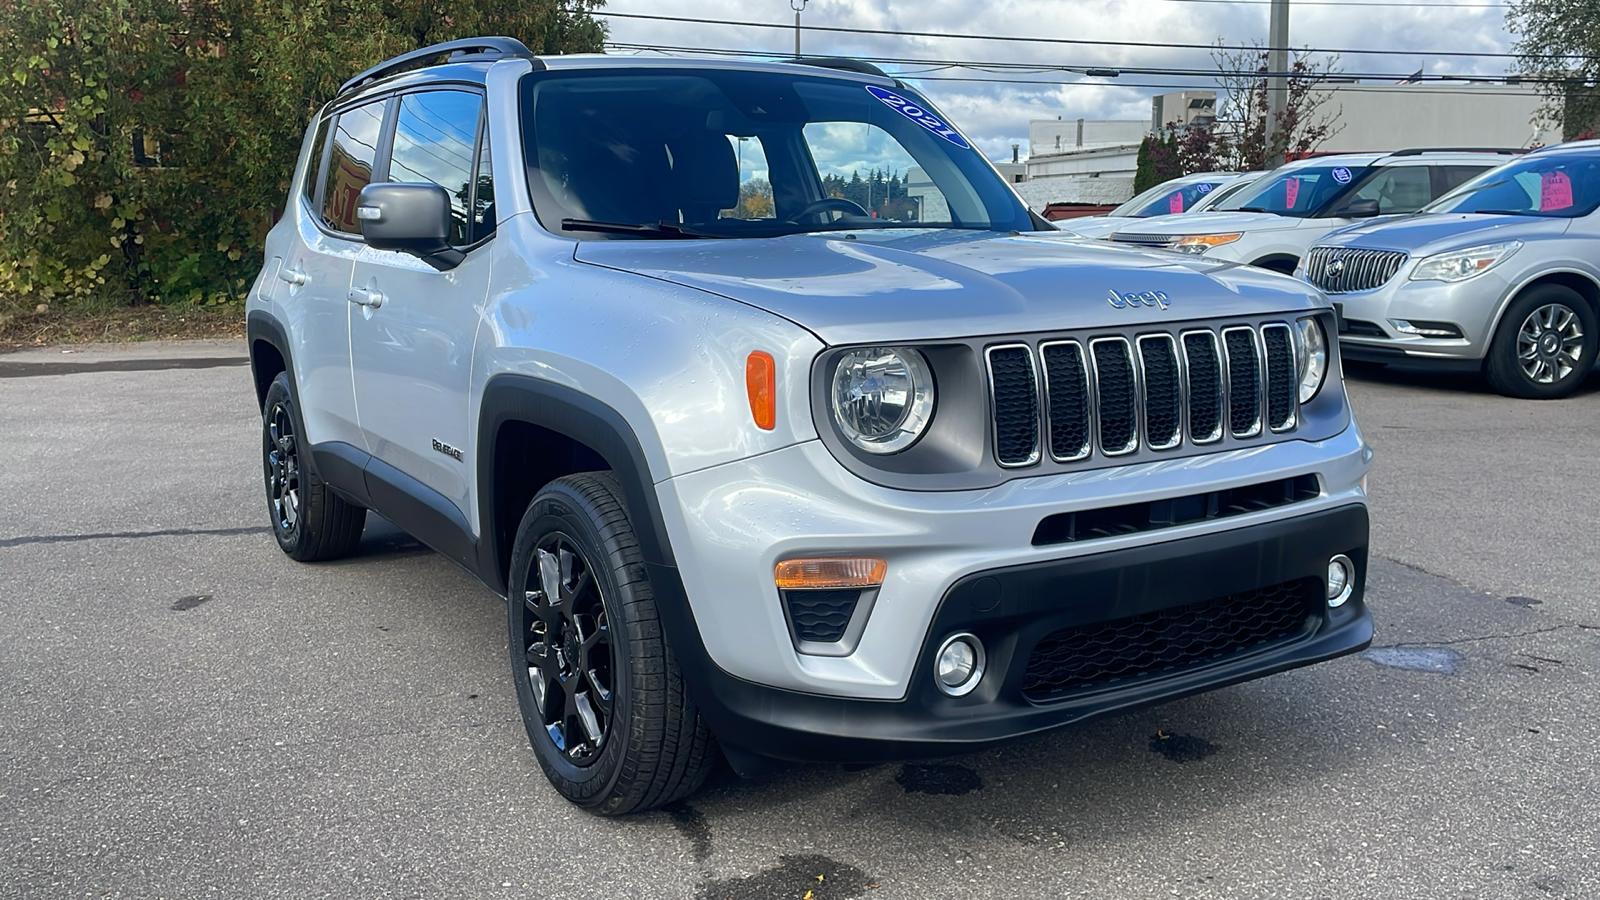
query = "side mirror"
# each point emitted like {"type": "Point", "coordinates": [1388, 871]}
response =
{"type": "Point", "coordinates": [411, 218]}
{"type": "Point", "coordinates": [1359, 209]}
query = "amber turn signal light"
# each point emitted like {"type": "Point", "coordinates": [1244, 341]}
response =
{"type": "Point", "coordinates": [761, 381]}
{"type": "Point", "coordinates": [825, 574]}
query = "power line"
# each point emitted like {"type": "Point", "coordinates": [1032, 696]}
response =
{"type": "Point", "coordinates": [1043, 68]}
{"type": "Point", "coordinates": [879, 32]}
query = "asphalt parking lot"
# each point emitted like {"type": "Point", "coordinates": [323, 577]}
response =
{"type": "Point", "coordinates": [184, 712]}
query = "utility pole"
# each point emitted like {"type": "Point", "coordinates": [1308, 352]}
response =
{"type": "Point", "coordinates": [797, 6]}
{"type": "Point", "coordinates": [1277, 64]}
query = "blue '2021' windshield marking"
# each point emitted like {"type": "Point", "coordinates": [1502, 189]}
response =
{"type": "Point", "coordinates": [919, 115]}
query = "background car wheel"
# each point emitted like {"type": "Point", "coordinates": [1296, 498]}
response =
{"type": "Point", "coordinates": [1545, 344]}
{"type": "Point", "coordinates": [309, 521]}
{"type": "Point", "coordinates": [599, 689]}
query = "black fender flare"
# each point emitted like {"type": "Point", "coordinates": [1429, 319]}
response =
{"type": "Point", "coordinates": [261, 327]}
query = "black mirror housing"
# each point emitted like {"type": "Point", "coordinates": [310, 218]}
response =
{"type": "Point", "coordinates": [1359, 209]}
{"type": "Point", "coordinates": [411, 218]}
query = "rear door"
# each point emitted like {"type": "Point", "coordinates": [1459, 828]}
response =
{"type": "Point", "coordinates": [318, 269]}
{"type": "Point", "coordinates": [412, 352]}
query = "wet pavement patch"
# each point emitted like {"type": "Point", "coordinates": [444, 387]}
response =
{"type": "Point", "coordinates": [1524, 602]}
{"type": "Point", "coordinates": [692, 825]}
{"type": "Point", "coordinates": [1181, 748]}
{"type": "Point", "coordinates": [817, 877]}
{"type": "Point", "coordinates": [956, 780]}
{"type": "Point", "coordinates": [184, 604]}
{"type": "Point", "coordinates": [1416, 659]}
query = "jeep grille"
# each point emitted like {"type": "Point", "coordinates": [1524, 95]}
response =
{"type": "Point", "coordinates": [1338, 270]}
{"type": "Point", "coordinates": [1077, 398]}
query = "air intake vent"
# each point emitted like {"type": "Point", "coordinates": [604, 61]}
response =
{"type": "Point", "coordinates": [1244, 382]}
{"type": "Point", "coordinates": [1282, 380]}
{"type": "Point", "coordinates": [1066, 383]}
{"type": "Point", "coordinates": [1015, 394]}
{"type": "Point", "coordinates": [1119, 411]}
{"type": "Point", "coordinates": [1163, 394]}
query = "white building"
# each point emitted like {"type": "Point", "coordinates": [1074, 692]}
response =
{"type": "Point", "coordinates": [1081, 160]}
{"type": "Point", "coordinates": [1435, 114]}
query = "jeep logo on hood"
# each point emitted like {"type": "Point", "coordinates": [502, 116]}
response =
{"type": "Point", "coordinates": [1148, 298]}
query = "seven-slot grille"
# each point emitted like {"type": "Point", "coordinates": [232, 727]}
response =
{"type": "Point", "coordinates": [1111, 396]}
{"type": "Point", "coordinates": [1338, 270]}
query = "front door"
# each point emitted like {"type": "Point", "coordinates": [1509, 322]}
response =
{"type": "Point", "coordinates": [412, 327]}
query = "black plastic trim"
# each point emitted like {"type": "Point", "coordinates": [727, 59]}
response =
{"type": "Point", "coordinates": [1010, 609]}
{"type": "Point", "coordinates": [480, 47]}
{"type": "Point", "coordinates": [423, 512]}
{"type": "Point", "coordinates": [843, 64]}
{"type": "Point", "coordinates": [342, 467]}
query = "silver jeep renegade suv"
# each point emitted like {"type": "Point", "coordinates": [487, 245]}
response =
{"type": "Point", "coordinates": [782, 425]}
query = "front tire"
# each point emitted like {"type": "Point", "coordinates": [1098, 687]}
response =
{"type": "Point", "coordinates": [310, 521]}
{"type": "Point", "coordinates": [599, 689]}
{"type": "Point", "coordinates": [1545, 345]}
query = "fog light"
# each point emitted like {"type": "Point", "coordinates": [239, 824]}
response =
{"type": "Point", "coordinates": [958, 667]}
{"type": "Point", "coordinates": [1341, 580]}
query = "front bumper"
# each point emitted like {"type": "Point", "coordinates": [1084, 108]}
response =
{"type": "Point", "coordinates": [1011, 608]}
{"type": "Point", "coordinates": [1470, 305]}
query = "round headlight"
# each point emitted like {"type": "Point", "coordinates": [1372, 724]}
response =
{"type": "Point", "coordinates": [1313, 358]}
{"type": "Point", "coordinates": [882, 398]}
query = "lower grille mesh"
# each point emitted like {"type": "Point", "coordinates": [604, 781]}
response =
{"type": "Point", "coordinates": [821, 616]}
{"type": "Point", "coordinates": [1103, 653]}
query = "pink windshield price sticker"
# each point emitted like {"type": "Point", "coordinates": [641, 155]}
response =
{"type": "Point", "coordinates": [1555, 191]}
{"type": "Point", "coordinates": [1291, 192]}
{"type": "Point", "coordinates": [1175, 203]}
{"type": "Point", "coordinates": [918, 115]}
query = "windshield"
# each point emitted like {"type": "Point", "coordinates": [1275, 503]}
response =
{"type": "Point", "coordinates": [1221, 194]}
{"type": "Point", "coordinates": [1299, 192]}
{"type": "Point", "coordinates": [741, 154]}
{"type": "Point", "coordinates": [1175, 196]}
{"type": "Point", "coordinates": [1557, 186]}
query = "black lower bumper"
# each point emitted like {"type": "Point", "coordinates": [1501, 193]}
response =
{"type": "Point", "coordinates": [1395, 356]}
{"type": "Point", "coordinates": [1012, 609]}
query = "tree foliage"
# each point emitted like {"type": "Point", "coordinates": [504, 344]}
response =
{"type": "Point", "coordinates": [1558, 44]}
{"type": "Point", "coordinates": [1241, 134]}
{"type": "Point", "coordinates": [146, 145]}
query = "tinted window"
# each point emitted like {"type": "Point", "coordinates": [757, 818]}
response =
{"type": "Point", "coordinates": [314, 163]}
{"type": "Point", "coordinates": [1301, 191]}
{"type": "Point", "coordinates": [1168, 199]}
{"type": "Point", "coordinates": [350, 162]}
{"type": "Point", "coordinates": [435, 133]}
{"type": "Point", "coordinates": [1564, 185]}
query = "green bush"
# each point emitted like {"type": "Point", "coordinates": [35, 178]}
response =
{"type": "Point", "coordinates": [146, 146]}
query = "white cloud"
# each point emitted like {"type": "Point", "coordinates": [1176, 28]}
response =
{"type": "Point", "coordinates": [996, 115]}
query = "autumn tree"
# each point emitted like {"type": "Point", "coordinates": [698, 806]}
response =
{"type": "Point", "coordinates": [1558, 46]}
{"type": "Point", "coordinates": [145, 145]}
{"type": "Point", "coordinates": [1243, 140]}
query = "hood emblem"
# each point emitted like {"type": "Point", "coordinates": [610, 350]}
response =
{"type": "Point", "coordinates": [1147, 298]}
{"type": "Point", "coordinates": [1336, 265]}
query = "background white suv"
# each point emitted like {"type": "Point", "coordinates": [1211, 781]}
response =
{"type": "Point", "coordinates": [1273, 222]}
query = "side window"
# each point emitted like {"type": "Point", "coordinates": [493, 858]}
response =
{"type": "Point", "coordinates": [1398, 189]}
{"type": "Point", "coordinates": [319, 143]}
{"type": "Point", "coordinates": [435, 134]}
{"type": "Point", "coordinates": [1448, 178]}
{"type": "Point", "coordinates": [355, 149]}
{"type": "Point", "coordinates": [755, 184]}
{"type": "Point", "coordinates": [483, 220]}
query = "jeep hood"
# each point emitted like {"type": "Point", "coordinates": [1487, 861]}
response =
{"type": "Point", "coordinates": [927, 284]}
{"type": "Point", "coordinates": [1429, 233]}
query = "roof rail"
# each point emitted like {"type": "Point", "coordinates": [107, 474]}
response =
{"type": "Point", "coordinates": [844, 64]}
{"type": "Point", "coordinates": [1418, 151]}
{"type": "Point", "coordinates": [483, 47]}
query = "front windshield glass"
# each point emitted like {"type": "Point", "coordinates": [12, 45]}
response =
{"type": "Point", "coordinates": [658, 153]}
{"type": "Point", "coordinates": [1299, 192]}
{"type": "Point", "coordinates": [1167, 198]}
{"type": "Point", "coordinates": [1217, 196]}
{"type": "Point", "coordinates": [1557, 186]}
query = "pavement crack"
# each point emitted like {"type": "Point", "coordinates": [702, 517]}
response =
{"type": "Point", "coordinates": [1488, 637]}
{"type": "Point", "coordinates": [126, 535]}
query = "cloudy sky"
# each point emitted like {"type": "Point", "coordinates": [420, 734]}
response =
{"type": "Point", "coordinates": [996, 114]}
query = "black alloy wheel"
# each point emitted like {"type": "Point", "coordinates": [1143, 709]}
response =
{"type": "Point", "coordinates": [569, 655]}
{"type": "Point", "coordinates": [309, 520]}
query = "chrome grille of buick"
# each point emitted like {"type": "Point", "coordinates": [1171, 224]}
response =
{"type": "Point", "coordinates": [1340, 270]}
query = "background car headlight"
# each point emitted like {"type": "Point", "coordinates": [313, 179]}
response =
{"type": "Point", "coordinates": [882, 397]}
{"type": "Point", "coordinates": [1200, 243]}
{"type": "Point", "coordinates": [1313, 357]}
{"type": "Point", "coordinates": [1463, 264]}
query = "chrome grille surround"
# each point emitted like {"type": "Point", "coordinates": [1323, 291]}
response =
{"type": "Point", "coordinates": [1345, 270]}
{"type": "Point", "coordinates": [1103, 384]}
{"type": "Point", "coordinates": [1022, 407]}
{"type": "Point", "coordinates": [1145, 240]}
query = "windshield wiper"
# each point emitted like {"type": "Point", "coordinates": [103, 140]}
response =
{"type": "Point", "coordinates": [660, 229]}
{"type": "Point", "coordinates": [1250, 209]}
{"type": "Point", "coordinates": [1504, 212]}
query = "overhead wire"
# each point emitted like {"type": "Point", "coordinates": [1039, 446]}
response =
{"type": "Point", "coordinates": [1170, 45]}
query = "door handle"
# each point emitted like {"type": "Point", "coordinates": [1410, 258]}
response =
{"type": "Point", "coordinates": [296, 276]}
{"type": "Point", "coordinates": [369, 297]}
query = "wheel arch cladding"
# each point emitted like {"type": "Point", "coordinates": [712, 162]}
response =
{"type": "Point", "coordinates": [531, 432]}
{"type": "Point", "coordinates": [268, 354]}
{"type": "Point", "coordinates": [1578, 283]}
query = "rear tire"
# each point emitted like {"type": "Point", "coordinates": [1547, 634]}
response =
{"type": "Point", "coordinates": [1545, 345]}
{"type": "Point", "coordinates": [310, 521]}
{"type": "Point", "coordinates": [599, 688]}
